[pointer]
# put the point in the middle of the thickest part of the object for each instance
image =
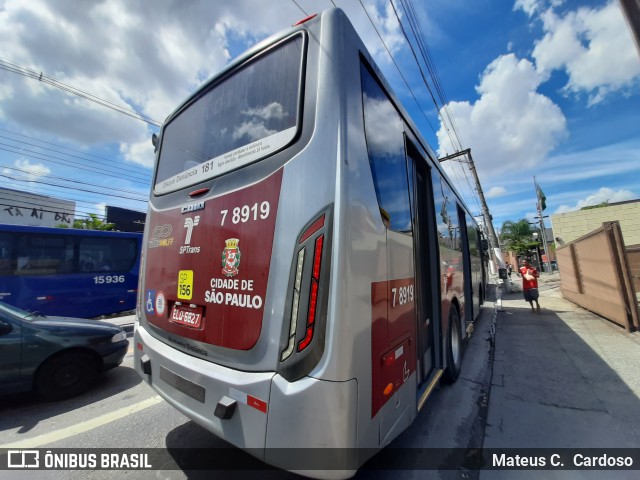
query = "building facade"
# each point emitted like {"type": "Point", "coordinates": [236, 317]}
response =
{"type": "Point", "coordinates": [572, 225]}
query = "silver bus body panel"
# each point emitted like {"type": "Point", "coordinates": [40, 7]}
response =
{"type": "Point", "coordinates": [332, 405]}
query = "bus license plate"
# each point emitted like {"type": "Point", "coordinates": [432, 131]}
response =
{"type": "Point", "coordinates": [185, 315]}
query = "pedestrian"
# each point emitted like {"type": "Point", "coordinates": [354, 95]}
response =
{"type": "Point", "coordinates": [530, 284]}
{"type": "Point", "coordinates": [509, 269]}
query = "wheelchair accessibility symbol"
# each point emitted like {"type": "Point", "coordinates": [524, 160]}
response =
{"type": "Point", "coordinates": [150, 302]}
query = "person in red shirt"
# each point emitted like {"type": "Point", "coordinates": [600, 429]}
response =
{"type": "Point", "coordinates": [530, 284]}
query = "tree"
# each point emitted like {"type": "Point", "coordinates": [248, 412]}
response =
{"type": "Point", "coordinates": [518, 236]}
{"type": "Point", "coordinates": [91, 223]}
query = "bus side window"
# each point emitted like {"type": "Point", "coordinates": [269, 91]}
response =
{"type": "Point", "coordinates": [7, 267]}
{"type": "Point", "coordinates": [42, 254]}
{"type": "Point", "coordinates": [384, 131]}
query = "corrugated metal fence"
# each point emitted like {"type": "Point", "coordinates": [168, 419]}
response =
{"type": "Point", "coordinates": [595, 274]}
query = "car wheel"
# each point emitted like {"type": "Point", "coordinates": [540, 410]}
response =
{"type": "Point", "coordinates": [454, 348]}
{"type": "Point", "coordinates": [66, 376]}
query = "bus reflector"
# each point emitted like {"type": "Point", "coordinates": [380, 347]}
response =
{"type": "Point", "coordinates": [306, 19]}
{"type": "Point", "coordinates": [315, 226]}
{"type": "Point", "coordinates": [388, 389]}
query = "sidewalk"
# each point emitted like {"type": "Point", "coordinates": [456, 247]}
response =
{"type": "Point", "coordinates": [563, 378]}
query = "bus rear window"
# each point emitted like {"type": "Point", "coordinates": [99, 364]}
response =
{"type": "Point", "coordinates": [246, 116]}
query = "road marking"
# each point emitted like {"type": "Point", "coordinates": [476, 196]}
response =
{"type": "Point", "coordinates": [83, 427]}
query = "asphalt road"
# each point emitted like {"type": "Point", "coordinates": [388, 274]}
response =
{"type": "Point", "coordinates": [564, 378]}
{"type": "Point", "coordinates": [123, 412]}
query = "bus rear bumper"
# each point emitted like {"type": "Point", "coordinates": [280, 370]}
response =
{"type": "Point", "coordinates": [308, 426]}
{"type": "Point", "coordinates": [195, 387]}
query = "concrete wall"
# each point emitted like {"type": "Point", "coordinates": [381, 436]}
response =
{"type": "Point", "coordinates": [595, 274]}
{"type": "Point", "coordinates": [572, 225]}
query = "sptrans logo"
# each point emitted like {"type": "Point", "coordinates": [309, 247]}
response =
{"type": "Point", "coordinates": [189, 224]}
{"type": "Point", "coordinates": [231, 257]}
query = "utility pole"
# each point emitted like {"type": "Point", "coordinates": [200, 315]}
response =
{"type": "Point", "coordinates": [493, 238]}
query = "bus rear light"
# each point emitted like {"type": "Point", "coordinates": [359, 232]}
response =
{"type": "Point", "coordinates": [311, 318]}
{"type": "Point", "coordinates": [307, 339]}
{"type": "Point", "coordinates": [313, 295]}
{"type": "Point", "coordinates": [302, 341]}
{"type": "Point", "coordinates": [317, 257]}
{"type": "Point", "coordinates": [294, 310]}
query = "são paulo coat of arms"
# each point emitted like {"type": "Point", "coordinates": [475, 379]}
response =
{"type": "Point", "coordinates": [231, 257]}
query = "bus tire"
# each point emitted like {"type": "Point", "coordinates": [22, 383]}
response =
{"type": "Point", "coordinates": [454, 347]}
{"type": "Point", "coordinates": [66, 375]}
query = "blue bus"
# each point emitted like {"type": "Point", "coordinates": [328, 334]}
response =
{"type": "Point", "coordinates": [69, 272]}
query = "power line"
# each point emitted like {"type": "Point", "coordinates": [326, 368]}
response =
{"type": "Point", "coordinates": [398, 68]}
{"type": "Point", "coordinates": [29, 73]}
{"type": "Point", "coordinates": [144, 170]}
{"type": "Point", "coordinates": [430, 64]}
{"type": "Point", "coordinates": [301, 9]}
{"type": "Point", "coordinates": [67, 163]}
{"type": "Point", "coordinates": [443, 110]}
{"type": "Point", "coordinates": [76, 188]}
{"type": "Point", "coordinates": [59, 193]}
{"type": "Point", "coordinates": [51, 201]}
{"type": "Point", "coordinates": [65, 179]}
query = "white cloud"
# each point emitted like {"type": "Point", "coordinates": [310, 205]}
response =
{"type": "Point", "coordinates": [386, 23]}
{"type": "Point", "coordinates": [272, 111]}
{"type": "Point", "coordinates": [603, 195]}
{"type": "Point", "coordinates": [496, 192]}
{"type": "Point", "coordinates": [140, 153]}
{"type": "Point", "coordinates": [32, 169]}
{"type": "Point", "coordinates": [253, 130]}
{"type": "Point", "coordinates": [531, 7]}
{"type": "Point", "coordinates": [593, 46]}
{"type": "Point", "coordinates": [511, 126]}
{"type": "Point", "coordinates": [25, 170]}
{"type": "Point", "coordinates": [383, 127]}
{"type": "Point", "coordinates": [149, 59]}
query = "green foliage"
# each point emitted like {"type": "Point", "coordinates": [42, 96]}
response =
{"type": "Point", "coordinates": [92, 223]}
{"type": "Point", "coordinates": [600, 205]}
{"type": "Point", "coordinates": [518, 237]}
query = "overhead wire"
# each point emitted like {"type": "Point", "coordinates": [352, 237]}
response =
{"type": "Point", "coordinates": [72, 196]}
{"type": "Point", "coordinates": [301, 9]}
{"type": "Point", "coordinates": [442, 108]}
{"type": "Point", "coordinates": [54, 185]}
{"type": "Point", "coordinates": [70, 180]}
{"type": "Point", "coordinates": [435, 77]}
{"type": "Point", "coordinates": [130, 167]}
{"type": "Point", "coordinates": [69, 163]}
{"type": "Point", "coordinates": [39, 76]}
{"type": "Point", "coordinates": [397, 67]}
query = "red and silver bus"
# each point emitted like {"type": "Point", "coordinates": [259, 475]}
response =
{"type": "Point", "coordinates": [309, 273]}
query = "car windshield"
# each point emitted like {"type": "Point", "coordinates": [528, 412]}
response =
{"type": "Point", "coordinates": [18, 312]}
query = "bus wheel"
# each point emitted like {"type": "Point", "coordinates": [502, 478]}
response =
{"type": "Point", "coordinates": [66, 376]}
{"type": "Point", "coordinates": [454, 348]}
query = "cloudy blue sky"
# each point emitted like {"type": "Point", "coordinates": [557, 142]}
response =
{"type": "Point", "coordinates": [549, 88]}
